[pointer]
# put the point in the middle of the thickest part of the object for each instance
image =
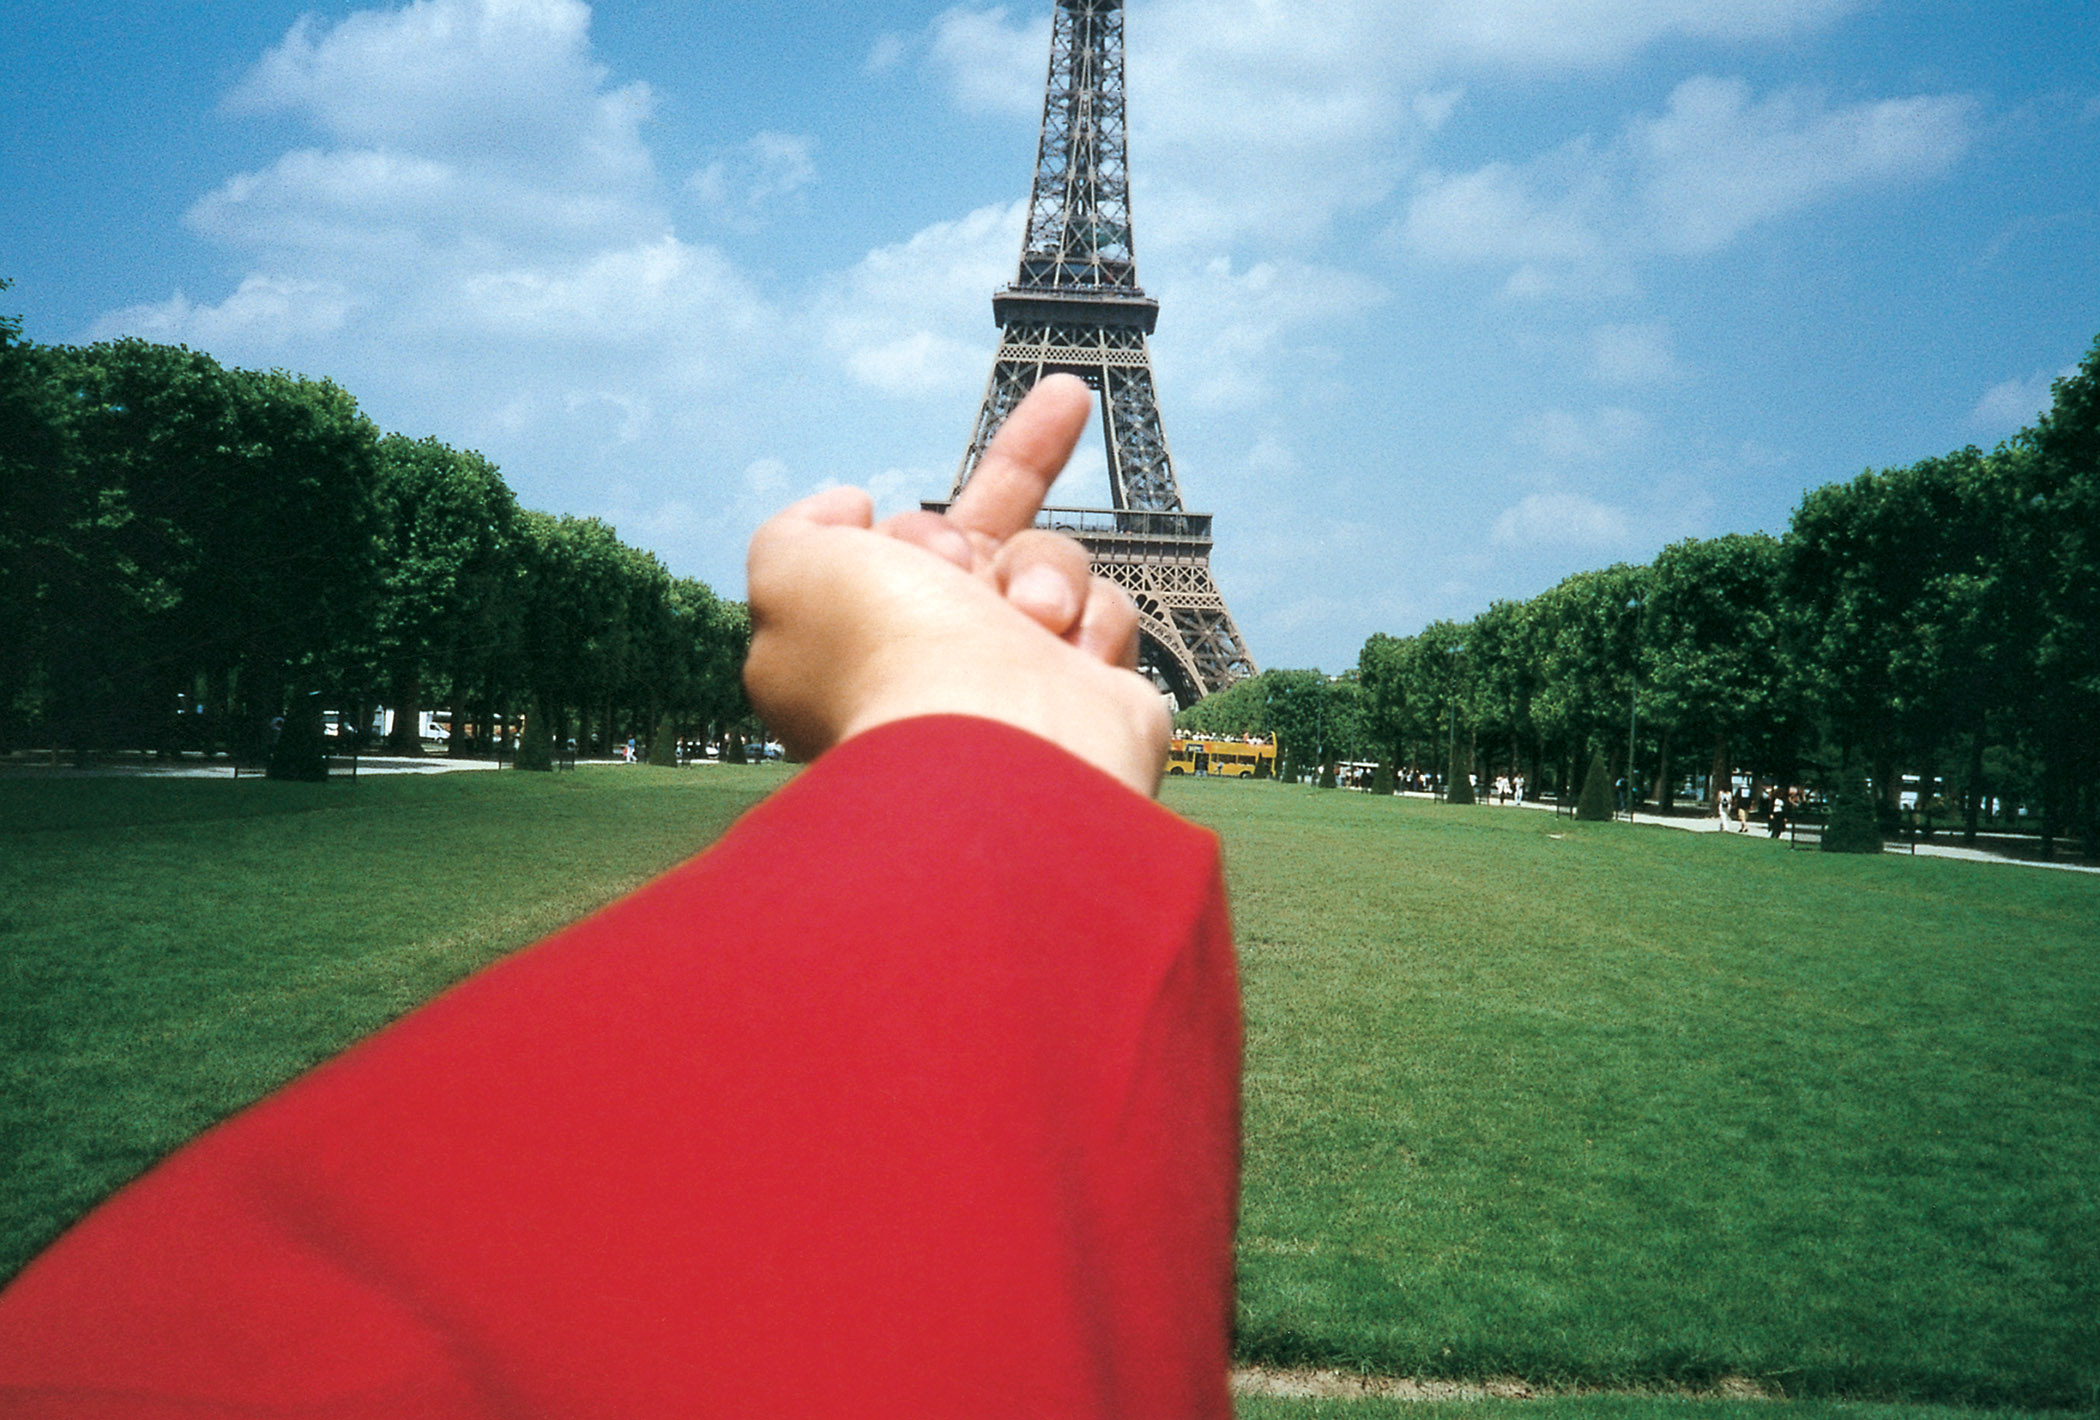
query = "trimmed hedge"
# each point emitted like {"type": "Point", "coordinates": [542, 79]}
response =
{"type": "Point", "coordinates": [1595, 804]}
{"type": "Point", "coordinates": [535, 745]}
{"type": "Point", "coordinates": [663, 745]}
{"type": "Point", "coordinates": [1852, 827]}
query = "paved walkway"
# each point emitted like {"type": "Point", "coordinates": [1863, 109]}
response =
{"type": "Point", "coordinates": [192, 766]}
{"type": "Point", "coordinates": [2005, 849]}
{"type": "Point", "coordinates": [2008, 850]}
{"type": "Point", "coordinates": [198, 767]}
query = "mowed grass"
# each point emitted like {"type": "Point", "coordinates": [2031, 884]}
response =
{"type": "Point", "coordinates": [1588, 1104]}
{"type": "Point", "coordinates": [1618, 1107]}
{"type": "Point", "coordinates": [171, 950]}
{"type": "Point", "coordinates": [1611, 1407]}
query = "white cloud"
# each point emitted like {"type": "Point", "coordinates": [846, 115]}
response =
{"type": "Point", "coordinates": [1250, 121]}
{"type": "Point", "coordinates": [1567, 438]}
{"type": "Point", "coordinates": [663, 288]}
{"type": "Point", "coordinates": [914, 319]}
{"type": "Point", "coordinates": [1685, 182]}
{"type": "Point", "coordinates": [1561, 520]}
{"type": "Point", "coordinates": [885, 54]}
{"type": "Point", "coordinates": [1237, 334]}
{"type": "Point", "coordinates": [264, 313]}
{"type": "Point", "coordinates": [1589, 34]}
{"type": "Point", "coordinates": [766, 478]}
{"type": "Point", "coordinates": [989, 64]}
{"type": "Point", "coordinates": [473, 237]}
{"type": "Point", "coordinates": [507, 83]}
{"type": "Point", "coordinates": [463, 131]}
{"type": "Point", "coordinates": [1637, 354]}
{"type": "Point", "coordinates": [2011, 405]}
{"type": "Point", "coordinates": [899, 490]}
{"type": "Point", "coordinates": [742, 187]}
{"type": "Point", "coordinates": [1491, 214]}
{"type": "Point", "coordinates": [1433, 107]}
{"type": "Point", "coordinates": [1716, 163]}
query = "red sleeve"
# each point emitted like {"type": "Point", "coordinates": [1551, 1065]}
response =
{"type": "Point", "coordinates": [917, 1095]}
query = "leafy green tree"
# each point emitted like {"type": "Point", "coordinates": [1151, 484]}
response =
{"type": "Point", "coordinates": [1348, 723]}
{"type": "Point", "coordinates": [1315, 720]}
{"type": "Point", "coordinates": [713, 636]}
{"type": "Point", "coordinates": [1390, 712]}
{"type": "Point", "coordinates": [1300, 714]}
{"type": "Point", "coordinates": [575, 577]}
{"type": "Point", "coordinates": [1713, 672]}
{"type": "Point", "coordinates": [1910, 609]}
{"type": "Point", "coordinates": [1588, 641]}
{"type": "Point", "coordinates": [222, 526]}
{"type": "Point", "coordinates": [2057, 540]}
{"type": "Point", "coordinates": [1239, 710]}
{"type": "Point", "coordinates": [1504, 681]}
{"type": "Point", "coordinates": [448, 544]}
{"type": "Point", "coordinates": [39, 501]}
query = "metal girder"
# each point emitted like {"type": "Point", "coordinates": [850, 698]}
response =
{"type": "Point", "coordinates": [1075, 306]}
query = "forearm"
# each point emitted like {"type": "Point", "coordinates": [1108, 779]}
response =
{"type": "Point", "coordinates": [916, 1095]}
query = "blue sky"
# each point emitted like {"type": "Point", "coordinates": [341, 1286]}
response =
{"type": "Point", "coordinates": [1458, 296]}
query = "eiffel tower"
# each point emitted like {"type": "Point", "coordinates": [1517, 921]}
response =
{"type": "Point", "coordinates": [1076, 307]}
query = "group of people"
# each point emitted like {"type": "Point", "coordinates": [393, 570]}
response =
{"type": "Point", "coordinates": [1509, 788]}
{"type": "Point", "coordinates": [1776, 807]}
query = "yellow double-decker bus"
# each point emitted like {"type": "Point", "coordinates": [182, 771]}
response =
{"type": "Point", "coordinates": [1229, 759]}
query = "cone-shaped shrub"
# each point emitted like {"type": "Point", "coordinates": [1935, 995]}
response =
{"type": "Point", "coordinates": [1851, 828]}
{"type": "Point", "coordinates": [1382, 777]}
{"type": "Point", "coordinates": [300, 751]}
{"type": "Point", "coordinates": [1327, 775]}
{"type": "Point", "coordinates": [663, 745]}
{"type": "Point", "coordinates": [1595, 803]}
{"type": "Point", "coordinates": [535, 745]}
{"type": "Point", "coordinates": [734, 754]}
{"type": "Point", "coordinates": [1458, 788]}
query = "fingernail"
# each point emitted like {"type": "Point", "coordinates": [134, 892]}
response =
{"type": "Point", "coordinates": [1044, 595]}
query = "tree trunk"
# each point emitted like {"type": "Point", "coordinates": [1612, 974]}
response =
{"type": "Point", "coordinates": [408, 712]}
{"type": "Point", "coordinates": [456, 745]}
{"type": "Point", "coordinates": [2052, 790]}
{"type": "Point", "coordinates": [1972, 797]}
{"type": "Point", "coordinates": [1888, 786]}
{"type": "Point", "coordinates": [1665, 792]}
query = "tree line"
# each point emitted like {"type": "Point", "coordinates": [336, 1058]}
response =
{"type": "Point", "coordinates": [198, 557]}
{"type": "Point", "coordinates": [1933, 627]}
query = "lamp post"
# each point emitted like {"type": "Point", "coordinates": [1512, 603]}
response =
{"type": "Point", "coordinates": [1633, 704]}
{"type": "Point", "coordinates": [1458, 648]}
{"type": "Point", "coordinates": [1633, 701]}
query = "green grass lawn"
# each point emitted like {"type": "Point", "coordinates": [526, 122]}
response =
{"type": "Point", "coordinates": [1610, 1105]}
{"type": "Point", "coordinates": [1612, 1407]}
{"type": "Point", "coordinates": [172, 949]}
{"type": "Point", "coordinates": [1616, 1107]}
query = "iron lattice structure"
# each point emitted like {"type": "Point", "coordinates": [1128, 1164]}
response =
{"type": "Point", "coordinates": [1075, 306]}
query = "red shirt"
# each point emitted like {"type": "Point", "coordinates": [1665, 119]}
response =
{"type": "Point", "coordinates": [916, 1095]}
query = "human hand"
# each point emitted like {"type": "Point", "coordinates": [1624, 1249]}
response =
{"type": "Point", "coordinates": [975, 612]}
